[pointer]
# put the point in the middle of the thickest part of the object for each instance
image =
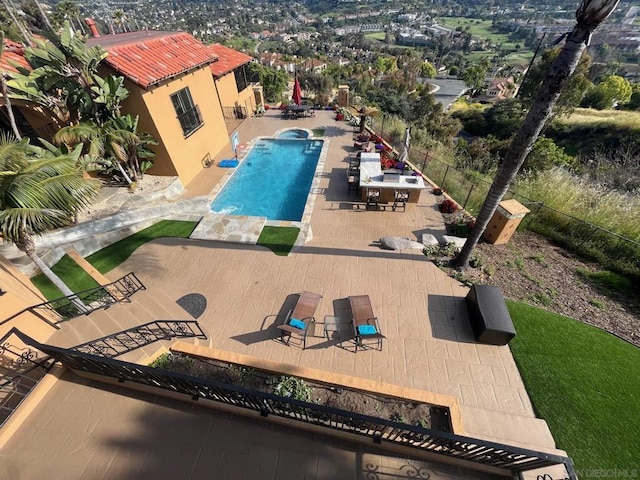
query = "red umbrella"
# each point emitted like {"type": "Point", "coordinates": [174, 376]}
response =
{"type": "Point", "coordinates": [297, 93]}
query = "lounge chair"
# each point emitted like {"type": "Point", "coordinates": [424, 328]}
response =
{"type": "Point", "coordinates": [299, 318]}
{"type": "Point", "coordinates": [365, 324]}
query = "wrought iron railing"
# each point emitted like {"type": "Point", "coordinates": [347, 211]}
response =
{"type": "Point", "coordinates": [87, 301]}
{"type": "Point", "coordinates": [234, 113]}
{"type": "Point", "coordinates": [505, 457]}
{"type": "Point", "coordinates": [21, 368]}
{"type": "Point", "coordinates": [141, 335]}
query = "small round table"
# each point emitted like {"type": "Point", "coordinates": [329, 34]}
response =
{"type": "Point", "coordinates": [331, 324]}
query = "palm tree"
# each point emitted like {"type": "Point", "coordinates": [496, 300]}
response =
{"type": "Point", "coordinates": [38, 195]}
{"type": "Point", "coordinates": [116, 142]}
{"type": "Point", "coordinates": [590, 14]}
{"type": "Point", "coordinates": [365, 112]}
{"type": "Point", "coordinates": [5, 93]}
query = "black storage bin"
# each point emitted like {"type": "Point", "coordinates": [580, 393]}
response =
{"type": "Point", "coordinates": [488, 314]}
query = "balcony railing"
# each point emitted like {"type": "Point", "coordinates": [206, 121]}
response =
{"type": "Point", "coordinates": [234, 113]}
{"type": "Point", "coordinates": [449, 446]}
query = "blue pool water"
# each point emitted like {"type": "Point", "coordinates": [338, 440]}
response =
{"type": "Point", "coordinates": [294, 133]}
{"type": "Point", "coordinates": [273, 181]}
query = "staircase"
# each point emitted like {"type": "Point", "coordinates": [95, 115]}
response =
{"type": "Point", "coordinates": [144, 307]}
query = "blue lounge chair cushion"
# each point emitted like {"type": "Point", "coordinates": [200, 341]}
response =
{"type": "Point", "coordinates": [230, 163]}
{"type": "Point", "coordinates": [367, 329]}
{"type": "Point", "coordinates": [294, 322]}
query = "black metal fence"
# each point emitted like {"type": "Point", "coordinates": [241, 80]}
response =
{"type": "Point", "coordinates": [608, 248]}
{"type": "Point", "coordinates": [379, 430]}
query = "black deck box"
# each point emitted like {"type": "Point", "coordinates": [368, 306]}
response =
{"type": "Point", "coordinates": [488, 314]}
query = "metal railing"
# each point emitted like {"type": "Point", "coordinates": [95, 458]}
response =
{"type": "Point", "coordinates": [21, 368]}
{"type": "Point", "coordinates": [85, 302]}
{"type": "Point", "coordinates": [137, 337]}
{"type": "Point", "coordinates": [235, 113]}
{"type": "Point", "coordinates": [380, 431]}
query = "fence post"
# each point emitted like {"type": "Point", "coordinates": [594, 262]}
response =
{"type": "Point", "coordinates": [425, 162]}
{"type": "Point", "coordinates": [533, 217]}
{"type": "Point", "coordinates": [473, 185]}
{"type": "Point", "coordinates": [445, 177]}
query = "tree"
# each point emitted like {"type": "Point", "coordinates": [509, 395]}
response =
{"type": "Point", "coordinates": [63, 78]}
{"type": "Point", "coordinates": [573, 91]}
{"type": "Point", "coordinates": [116, 143]}
{"type": "Point", "coordinates": [427, 70]}
{"type": "Point", "coordinates": [5, 93]}
{"type": "Point", "coordinates": [474, 77]}
{"type": "Point", "coordinates": [38, 195]}
{"type": "Point", "coordinates": [608, 93]}
{"type": "Point", "coordinates": [590, 14]}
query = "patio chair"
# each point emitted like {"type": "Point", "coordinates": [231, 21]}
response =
{"type": "Point", "coordinates": [373, 197]}
{"type": "Point", "coordinates": [353, 179]}
{"type": "Point", "coordinates": [365, 324]}
{"type": "Point", "coordinates": [400, 198]}
{"type": "Point", "coordinates": [299, 318]}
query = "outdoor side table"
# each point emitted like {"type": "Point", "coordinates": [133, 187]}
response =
{"type": "Point", "coordinates": [331, 324]}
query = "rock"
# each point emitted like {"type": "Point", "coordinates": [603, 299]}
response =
{"type": "Point", "coordinates": [457, 241]}
{"type": "Point", "coordinates": [397, 243]}
{"type": "Point", "coordinates": [429, 240]}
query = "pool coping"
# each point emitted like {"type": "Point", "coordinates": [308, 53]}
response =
{"type": "Point", "coordinates": [246, 229]}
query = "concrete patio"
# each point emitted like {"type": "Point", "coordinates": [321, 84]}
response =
{"type": "Point", "coordinates": [429, 344]}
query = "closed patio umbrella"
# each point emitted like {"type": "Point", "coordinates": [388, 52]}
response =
{"type": "Point", "coordinates": [404, 155]}
{"type": "Point", "coordinates": [297, 92]}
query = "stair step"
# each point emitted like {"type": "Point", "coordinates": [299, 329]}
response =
{"type": "Point", "coordinates": [144, 307]}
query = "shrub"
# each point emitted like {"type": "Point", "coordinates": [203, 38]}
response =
{"type": "Point", "coordinates": [448, 206]}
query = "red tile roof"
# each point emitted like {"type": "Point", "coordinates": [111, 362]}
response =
{"type": "Point", "coordinates": [228, 60]}
{"type": "Point", "coordinates": [12, 52]}
{"type": "Point", "coordinates": [149, 57]}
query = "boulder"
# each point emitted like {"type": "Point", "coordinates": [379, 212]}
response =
{"type": "Point", "coordinates": [429, 240]}
{"type": "Point", "coordinates": [398, 243]}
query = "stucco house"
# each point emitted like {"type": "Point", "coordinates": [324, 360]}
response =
{"type": "Point", "coordinates": [181, 89]}
{"type": "Point", "coordinates": [236, 95]}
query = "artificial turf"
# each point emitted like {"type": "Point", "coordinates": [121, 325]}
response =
{"type": "Point", "coordinates": [279, 240]}
{"type": "Point", "coordinates": [108, 258]}
{"type": "Point", "coordinates": [584, 383]}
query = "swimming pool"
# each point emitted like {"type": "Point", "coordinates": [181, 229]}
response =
{"type": "Point", "coordinates": [273, 181]}
{"type": "Point", "coordinates": [294, 133]}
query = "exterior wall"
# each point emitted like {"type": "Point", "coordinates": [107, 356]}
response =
{"type": "Point", "coordinates": [227, 90]}
{"type": "Point", "coordinates": [19, 294]}
{"type": "Point", "coordinates": [177, 155]}
{"type": "Point", "coordinates": [247, 98]}
{"type": "Point", "coordinates": [230, 97]}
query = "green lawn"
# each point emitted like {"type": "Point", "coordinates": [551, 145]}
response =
{"type": "Point", "coordinates": [279, 240]}
{"type": "Point", "coordinates": [478, 28]}
{"type": "Point", "coordinates": [584, 383]}
{"type": "Point", "coordinates": [71, 274]}
{"type": "Point", "coordinates": [108, 258]}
